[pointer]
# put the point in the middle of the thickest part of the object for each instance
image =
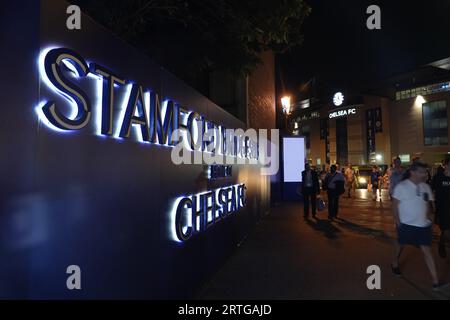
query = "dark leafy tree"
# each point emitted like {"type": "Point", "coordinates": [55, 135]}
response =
{"type": "Point", "coordinates": [194, 37]}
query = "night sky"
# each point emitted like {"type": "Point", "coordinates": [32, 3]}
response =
{"type": "Point", "coordinates": [342, 53]}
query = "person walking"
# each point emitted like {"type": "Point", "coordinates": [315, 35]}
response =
{"type": "Point", "coordinates": [375, 182]}
{"type": "Point", "coordinates": [310, 188]}
{"type": "Point", "coordinates": [334, 184]}
{"type": "Point", "coordinates": [441, 186]}
{"type": "Point", "coordinates": [396, 175]}
{"type": "Point", "coordinates": [349, 179]}
{"type": "Point", "coordinates": [411, 206]}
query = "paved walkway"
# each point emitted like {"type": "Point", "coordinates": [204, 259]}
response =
{"type": "Point", "coordinates": [287, 257]}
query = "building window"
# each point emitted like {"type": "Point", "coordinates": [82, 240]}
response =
{"type": "Point", "coordinates": [435, 123]}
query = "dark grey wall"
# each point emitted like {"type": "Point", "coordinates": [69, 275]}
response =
{"type": "Point", "coordinates": [98, 202]}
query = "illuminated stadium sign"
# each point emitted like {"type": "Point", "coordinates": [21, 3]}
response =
{"type": "Point", "coordinates": [155, 121]}
{"type": "Point", "coordinates": [342, 113]}
{"type": "Point", "coordinates": [338, 99]}
{"type": "Point", "coordinates": [195, 213]}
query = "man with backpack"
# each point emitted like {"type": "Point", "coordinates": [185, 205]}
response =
{"type": "Point", "coordinates": [334, 184]}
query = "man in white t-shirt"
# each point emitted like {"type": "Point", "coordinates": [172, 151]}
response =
{"type": "Point", "coordinates": [411, 206]}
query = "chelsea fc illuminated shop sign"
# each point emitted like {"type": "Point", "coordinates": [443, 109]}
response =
{"type": "Point", "coordinates": [155, 122]}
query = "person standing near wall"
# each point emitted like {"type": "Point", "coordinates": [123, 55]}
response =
{"type": "Point", "coordinates": [349, 179]}
{"type": "Point", "coordinates": [411, 209]}
{"type": "Point", "coordinates": [396, 175]}
{"type": "Point", "coordinates": [375, 182]}
{"type": "Point", "coordinates": [334, 183]}
{"type": "Point", "coordinates": [310, 188]}
{"type": "Point", "coordinates": [441, 185]}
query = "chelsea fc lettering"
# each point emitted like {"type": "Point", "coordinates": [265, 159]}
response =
{"type": "Point", "coordinates": [342, 113]}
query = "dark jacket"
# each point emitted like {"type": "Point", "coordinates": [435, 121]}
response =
{"type": "Point", "coordinates": [338, 183]}
{"type": "Point", "coordinates": [315, 182]}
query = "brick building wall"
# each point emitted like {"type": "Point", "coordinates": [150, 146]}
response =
{"type": "Point", "coordinates": [261, 94]}
{"type": "Point", "coordinates": [407, 128]}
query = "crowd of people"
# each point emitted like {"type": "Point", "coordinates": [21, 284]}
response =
{"type": "Point", "coordinates": [336, 183]}
{"type": "Point", "coordinates": [415, 196]}
{"type": "Point", "coordinates": [332, 181]}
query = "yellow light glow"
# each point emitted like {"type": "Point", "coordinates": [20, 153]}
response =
{"type": "Point", "coordinates": [286, 104]}
{"type": "Point", "coordinates": [362, 180]}
{"type": "Point", "coordinates": [420, 100]}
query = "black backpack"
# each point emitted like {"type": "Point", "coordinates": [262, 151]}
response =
{"type": "Point", "coordinates": [340, 189]}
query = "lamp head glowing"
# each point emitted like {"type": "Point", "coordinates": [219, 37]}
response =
{"type": "Point", "coordinates": [420, 100]}
{"type": "Point", "coordinates": [286, 104]}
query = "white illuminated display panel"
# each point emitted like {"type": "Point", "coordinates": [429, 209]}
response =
{"type": "Point", "coordinates": [293, 159]}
